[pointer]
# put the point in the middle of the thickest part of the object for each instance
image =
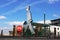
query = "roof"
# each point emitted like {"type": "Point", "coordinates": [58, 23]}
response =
{"type": "Point", "coordinates": [55, 20]}
{"type": "Point", "coordinates": [40, 25]}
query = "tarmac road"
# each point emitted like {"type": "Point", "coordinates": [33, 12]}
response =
{"type": "Point", "coordinates": [27, 38]}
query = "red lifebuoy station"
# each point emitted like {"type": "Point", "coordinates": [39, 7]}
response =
{"type": "Point", "coordinates": [19, 30]}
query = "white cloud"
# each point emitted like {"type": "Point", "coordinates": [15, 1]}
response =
{"type": "Point", "coordinates": [15, 23]}
{"type": "Point", "coordinates": [52, 1]}
{"type": "Point", "coordinates": [6, 29]}
{"type": "Point", "coordinates": [6, 4]}
{"type": "Point", "coordinates": [56, 15]}
{"type": "Point", "coordinates": [24, 4]}
{"type": "Point", "coordinates": [37, 2]}
{"type": "Point", "coordinates": [47, 22]}
{"type": "Point", "coordinates": [2, 17]}
{"type": "Point", "coordinates": [10, 26]}
{"type": "Point", "coordinates": [21, 6]}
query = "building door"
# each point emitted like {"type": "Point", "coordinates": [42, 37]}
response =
{"type": "Point", "coordinates": [54, 32]}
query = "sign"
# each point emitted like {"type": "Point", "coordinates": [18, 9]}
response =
{"type": "Point", "coordinates": [19, 28]}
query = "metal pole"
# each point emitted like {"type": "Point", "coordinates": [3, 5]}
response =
{"type": "Point", "coordinates": [44, 18]}
{"type": "Point", "coordinates": [44, 25]}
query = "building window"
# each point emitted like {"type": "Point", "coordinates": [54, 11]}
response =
{"type": "Point", "coordinates": [57, 28]}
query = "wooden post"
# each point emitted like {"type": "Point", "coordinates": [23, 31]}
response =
{"type": "Point", "coordinates": [1, 32]}
{"type": "Point", "coordinates": [36, 32]}
{"type": "Point", "coordinates": [14, 30]}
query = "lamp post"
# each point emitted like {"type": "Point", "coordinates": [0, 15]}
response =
{"type": "Point", "coordinates": [44, 25]}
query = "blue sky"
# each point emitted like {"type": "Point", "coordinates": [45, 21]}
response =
{"type": "Point", "coordinates": [14, 11]}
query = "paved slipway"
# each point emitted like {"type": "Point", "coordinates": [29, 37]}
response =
{"type": "Point", "coordinates": [28, 38]}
